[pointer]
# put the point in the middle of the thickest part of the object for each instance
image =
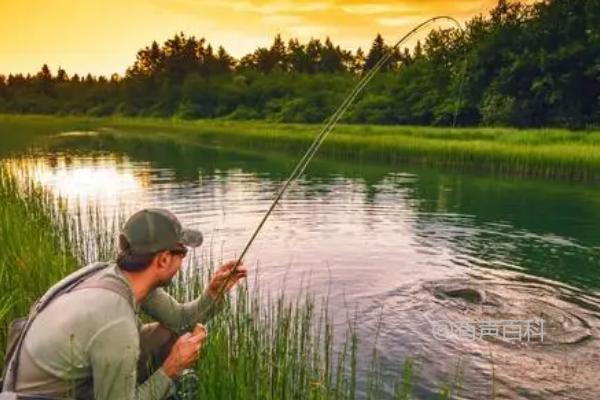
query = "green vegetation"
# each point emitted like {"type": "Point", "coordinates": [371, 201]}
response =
{"type": "Point", "coordinates": [526, 65]}
{"type": "Point", "coordinates": [551, 154]}
{"type": "Point", "coordinates": [34, 252]}
{"type": "Point", "coordinates": [260, 347]}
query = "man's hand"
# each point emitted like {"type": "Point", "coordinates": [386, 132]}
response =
{"type": "Point", "coordinates": [225, 278]}
{"type": "Point", "coordinates": [199, 330]}
{"type": "Point", "coordinates": [184, 352]}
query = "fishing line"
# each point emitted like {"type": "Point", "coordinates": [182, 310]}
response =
{"type": "Point", "coordinates": [330, 125]}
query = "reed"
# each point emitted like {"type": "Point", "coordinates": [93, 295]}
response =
{"type": "Point", "coordinates": [34, 253]}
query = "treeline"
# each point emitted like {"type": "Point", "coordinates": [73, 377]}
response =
{"type": "Point", "coordinates": [522, 65]}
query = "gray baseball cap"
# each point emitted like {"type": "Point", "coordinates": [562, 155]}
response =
{"type": "Point", "coordinates": [155, 229]}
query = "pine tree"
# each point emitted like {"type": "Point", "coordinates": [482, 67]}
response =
{"type": "Point", "coordinates": [226, 62]}
{"type": "Point", "coordinates": [331, 58]}
{"type": "Point", "coordinates": [358, 64]}
{"type": "Point", "coordinates": [61, 75]}
{"type": "Point", "coordinates": [296, 56]}
{"type": "Point", "coordinates": [277, 54]}
{"type": "Point", "coordinates": [45, 74]}
{"type": "Point", "coordinates": [418, 52]}
{"type": "Point", "coordinates": [314, 50]}
{"type": "Point", "coordinates": [377, 51]}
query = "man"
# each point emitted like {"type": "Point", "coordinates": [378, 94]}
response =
{"type": "Point", "coordinates": [90, 343]}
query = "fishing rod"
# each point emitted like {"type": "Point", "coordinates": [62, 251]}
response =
{"type": "Point", "coordinates": [326, 130]}
{"type": "Point", "coordinates": [314, 147]}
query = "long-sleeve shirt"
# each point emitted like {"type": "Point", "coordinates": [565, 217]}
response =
{"type": "Point", "coordinates": [88, 340]}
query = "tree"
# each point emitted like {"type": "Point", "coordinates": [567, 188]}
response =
{"type": "Point", "coordinates": [277, 54]}
{"type": "Point", "coordinates": [181, 57]}
{"type": "Point", "coordinates": [379, 50]}
{"type": "Point", "coordinates": [61, 75]}
{"type": "Point", "coordinates": [3, 86]}
{"type": "Point", "coordinates": [358, 62]}
{"type": "Point", "coordinates": [45, 74]}
{"type": "Point", "coordinates": [225, 62]}
{"type": "Point", "coordinates": [44, 81]}
{"type": "Point", "coordinates": [149, 61]}
{"type": "Point", "coordinates": [298, 60]}
{"type": "Point", "coordinates": [418, 51]}
{"type": "Point", "coordinates": [265, 60]}
{"type": "Point", "coordinates": [314, 51]}
{"type": "Point", "coordinates": [405, 58]}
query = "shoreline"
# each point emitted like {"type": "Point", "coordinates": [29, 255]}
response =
{"type": "Point", "coordinates": [552, 154]}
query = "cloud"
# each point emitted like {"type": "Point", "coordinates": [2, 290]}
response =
{"type": "Point", "coordinates": [399, 21]}
{"type": "Point", "coordinates": [308, 31]}
{"type": "Point", "coordinates": [379, 8]}
{"type": "Point", "coordinates": [348, 7]}
{"type": "Point", "coordinates": [352, 23]}
{"type": "Point", "coordinates": [282, 20]}
{"type": "Point", "coordinates": [275, 7]}
{"type": "Point", "coordinates": [241, 6]}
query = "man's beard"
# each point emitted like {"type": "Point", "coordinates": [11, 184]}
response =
{"type": "Point", "coordinates": [166, 282]}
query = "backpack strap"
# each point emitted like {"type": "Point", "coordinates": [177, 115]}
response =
{"type": "Point", "coordinates": [109, 283]}
{"type": "Point", "coordinates": [66, 285]}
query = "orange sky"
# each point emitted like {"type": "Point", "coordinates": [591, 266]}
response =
{"type": "Point", "coordinates": [102, 36]}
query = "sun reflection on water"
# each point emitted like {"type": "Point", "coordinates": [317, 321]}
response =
{"type": "Point", "coordinates": [81, 179]}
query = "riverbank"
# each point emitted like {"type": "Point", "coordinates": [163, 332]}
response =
{"type": "Point", "coordinates": [548, 154]}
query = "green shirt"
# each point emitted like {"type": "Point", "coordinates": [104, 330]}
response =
{"type": "Point", "coordinates": [88, 340]}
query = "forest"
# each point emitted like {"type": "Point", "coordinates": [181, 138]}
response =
{"type": "Point", "coordinates": [523, 65]}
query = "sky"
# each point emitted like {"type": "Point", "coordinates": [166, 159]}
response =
{"type": "Point", "coordinates": [103, 36]}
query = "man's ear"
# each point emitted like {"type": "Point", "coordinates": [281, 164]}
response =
{"type": "Point", "coordinates": [162, 259]}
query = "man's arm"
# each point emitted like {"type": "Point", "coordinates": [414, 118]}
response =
{"type": "Point", "coordinates": [180, 317]}
{"type": "Point", "coordinates": [114, 353]}
{"type": "Point", "coordinates": [183, 317]}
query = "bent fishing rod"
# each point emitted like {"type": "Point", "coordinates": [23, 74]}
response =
{"type": "Point", "coordinates": [326, 130]}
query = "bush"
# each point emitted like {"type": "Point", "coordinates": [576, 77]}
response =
{"type": "Point", "coordinates": [497, 110]}
{"type": "Point", "coordinates": [373, 109]}
{"type": "Point", "coordinates": [244, 113]}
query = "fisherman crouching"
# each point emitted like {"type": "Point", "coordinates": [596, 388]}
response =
{"type": "Point", "coordinates": [84, 338]}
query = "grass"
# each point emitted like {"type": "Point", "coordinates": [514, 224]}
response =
{"type": "Point", "coordinates": [34, 253]}
{"type": "Point", "coordinates": [545, 153]}
{"type": "Point", "coordinates": [259, 347]}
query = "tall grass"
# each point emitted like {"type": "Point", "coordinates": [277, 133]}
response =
{"type": "Point", "coordinates": [33, 252]}
{"type": "Point", "coordinates": [260, 346]}
{"type": "Point", "coordinates": [543, 153]}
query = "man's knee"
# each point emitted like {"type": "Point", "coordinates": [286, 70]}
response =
{"type": "Point", "coordinates": [156, 342]}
